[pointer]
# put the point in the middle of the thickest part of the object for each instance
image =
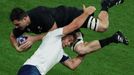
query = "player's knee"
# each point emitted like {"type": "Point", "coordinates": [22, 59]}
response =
{"type": "Point", "coordinates": [102, 27]}
{"type": "Point", "coordinates": [80, 51]}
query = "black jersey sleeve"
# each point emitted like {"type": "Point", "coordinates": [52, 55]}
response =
{"type": "Point", "coordinates": [17, 32]}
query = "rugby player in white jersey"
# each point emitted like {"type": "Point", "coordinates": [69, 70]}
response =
{"type": "Point", "coordinates": [51, 50]}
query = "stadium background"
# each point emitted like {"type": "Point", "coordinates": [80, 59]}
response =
{"type": "Point", "coordinates": [111, 60]}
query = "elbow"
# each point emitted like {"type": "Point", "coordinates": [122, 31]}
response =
{"type": "Point", "coordinates": [72, 68]}
{"type": "Point", "coordinates": [72, 65]}
{"type": "Point", "coordinates": [80, 50]}
{"type": "Point", "coordinates": [103, 27]}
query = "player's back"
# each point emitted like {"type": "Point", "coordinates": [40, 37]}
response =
{"type": "Point", "coordinates": [65, 15]}
{"type": "Point", "coordinates": [41, 19]}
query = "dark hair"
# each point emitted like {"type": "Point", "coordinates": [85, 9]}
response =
{"type": "Point", "coordinates": [17, 14]}
{"type": "Point", "coordinates": [73, 34]}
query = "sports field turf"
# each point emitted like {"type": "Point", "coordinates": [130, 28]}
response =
{"type": "Point", "coordinates": [116, 59]}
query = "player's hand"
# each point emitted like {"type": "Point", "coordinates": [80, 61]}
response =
{"type": "Point", "coordinates": [88, 10]}
{"type": "Point", "coordinates": [30, 40]}
{"type": "Point", "coordinates": [19, 49]}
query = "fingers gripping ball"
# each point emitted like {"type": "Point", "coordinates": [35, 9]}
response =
{"type": "Point", "coordinates": [21, 39]}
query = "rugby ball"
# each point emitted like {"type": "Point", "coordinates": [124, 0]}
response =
{"type": "Point", "coordinates": [21, 39]}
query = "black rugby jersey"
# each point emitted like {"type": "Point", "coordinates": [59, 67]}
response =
{"type": "Point", "coordinates": [42, 18]}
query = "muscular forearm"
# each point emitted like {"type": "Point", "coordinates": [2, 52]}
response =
{"type": "Point", "coordinates": [74, 62]}
{"type": "Point", "coordinates": [13, 40]}
{"type": "Point", "coordinates": [78, 22]}
{"type": "Point", "coordinates": [75, 24]}
{"type": "Point", "coordinates": [77, 60]}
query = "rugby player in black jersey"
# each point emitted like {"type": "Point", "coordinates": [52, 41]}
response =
{"type": "Point", "coordinates": [43, 19]}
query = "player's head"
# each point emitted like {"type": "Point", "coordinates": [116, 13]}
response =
{"type": "Point", "coordinates": [69, 39]}
{"type": "Point", "coordinates": [19, 18]}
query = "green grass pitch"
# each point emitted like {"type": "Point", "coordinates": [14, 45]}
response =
{"type": "Point", "coordinates": [116, 59]}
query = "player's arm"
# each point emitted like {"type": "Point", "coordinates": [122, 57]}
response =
{"type": "Point", "coordinates": [30, 40]}
{"type": "Point", "coordinates": [14, 42]}
{"type": "Point", "coordinates": [74, 62]}
{"type": "Point", "coordinates": [78, 22]}
{"type": "Point", "coordinates": [25, 46]}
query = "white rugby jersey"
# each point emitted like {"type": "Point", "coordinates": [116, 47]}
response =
{"type": "Point", "coordinates": [49, 52]}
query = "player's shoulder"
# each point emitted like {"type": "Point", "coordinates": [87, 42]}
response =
{"type": "Point", "coordinates": [38, 9]}
{"type": "Point", "coordinates": [56, 32]}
